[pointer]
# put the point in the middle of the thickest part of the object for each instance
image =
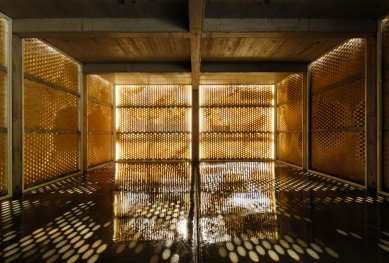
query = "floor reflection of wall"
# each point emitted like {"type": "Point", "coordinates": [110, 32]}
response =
{"type": "Point", "coordinates": [237, 201]}
{"type": "Point", "coordinates": [152, 201]}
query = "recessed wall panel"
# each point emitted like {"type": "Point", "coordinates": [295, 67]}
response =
{"type": "Point", "coordinates": [153, 122]}
{"type": "Point", "coordinates": [100, 112]}
{"type": "Point", "coordinates": [236, 122]}
{"type": "Point", "coordinates": [51, 114]}
{"type": "Point", "coordinates": [338, 112]}
{"type": "Point", "coordinates": [289, 117]}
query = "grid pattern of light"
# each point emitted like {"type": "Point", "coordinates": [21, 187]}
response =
{"type": "Point", "coordinates": [51, 107]}
{"type": "Point", "coordinates": [153, 122]}
{"type": "Point", "coordinates": [236, 122]}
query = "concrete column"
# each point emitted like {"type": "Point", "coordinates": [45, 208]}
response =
{"type": "Point", "coordinates": [17, 115]}
{"type": "Point", "coordinates": [305, 112]}
{"type": "Point", "coordinates": [84, 124]}
{"type": "Point", "coordinates": [195, 126]}
{"type": "Point", "coordinates": [371, 114]}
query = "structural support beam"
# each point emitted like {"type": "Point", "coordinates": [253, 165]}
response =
{"type": "Point", "coordinates": [254, 67]}
{"type": "Point", "coordinates": [196, 18]}
{"type": "Point", "coordinates": [195, 126]}
{"type": "Point", "coordinates": [137, 68]}
{"type": "Point", "coordinates": [348, 27]}
{"type": "Point", "coordinates": [38, 26]}
{"type": "Point", "coordinates": [84, 124]}
{"type": "Point", "coordinates": [371, 115]}
{"type": "Point", "coordinates": [305, 112]}
{"type": "Point", "coordinates": [17, 115]}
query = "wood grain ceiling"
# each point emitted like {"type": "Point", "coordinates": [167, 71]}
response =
{"type": "Point", "coordinates": [124, 49]}
{"type": "Point", "coordinates": [191, 31]}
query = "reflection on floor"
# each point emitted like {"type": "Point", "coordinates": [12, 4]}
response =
{"type": "Point", "coordinates": [240, 212]}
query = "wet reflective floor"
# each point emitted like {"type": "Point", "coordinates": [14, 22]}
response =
{"type": "Point", "coordinates": [230, 212]}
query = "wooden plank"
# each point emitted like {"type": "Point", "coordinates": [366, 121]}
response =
{"type": "Point", "coordinates": [148, 78]}
{"type": "Point", "coordinates": [123, 49]}
{"type": "Point", "coordinates": [196, 17]}
{"type": "Point", "coordinates": [17, 115]}
{"type": "Point", "coordinates": [253, 66]}
{"type": "Point", "coordinates": [136, 68]}
{"type": "Point", "coordinates": [248, 78]}
{"type": "Point", "coordinates": [95, 25]}
{"type": "Point", "coordinates": [299, 25]}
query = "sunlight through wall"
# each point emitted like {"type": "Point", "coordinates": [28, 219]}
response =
{"type": "Point", "coordinates": [236, 122]}
{"type": "Point", "coordinates": [153, 122]}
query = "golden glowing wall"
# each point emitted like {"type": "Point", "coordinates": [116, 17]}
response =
{"type": "Point", "coordinates": [290, 126]}
{"type": "Point", "coordinates": [51, 113]}
{"type": "Point", "coordinates": [153, 122]}
{"type": "Point", "coordinates": [385, 105]}
{"type": "Point", "coordinates": [338, 112]}
{"type": "Point", "coordinates": [3, 106]}
{"type": "Point", "coordinates": [100, 135]}
{"type": "Point", "coordinates": [236, 122]}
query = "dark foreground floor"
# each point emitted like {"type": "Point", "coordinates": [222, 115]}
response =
{"type": "Point", "coordinates": [239, 212]}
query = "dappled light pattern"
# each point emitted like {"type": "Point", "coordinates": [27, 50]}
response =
{"type": "Point", "coordinates": [156, 213]}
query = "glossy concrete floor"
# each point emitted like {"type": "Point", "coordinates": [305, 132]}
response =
{"type": "Point", "coordinates": [232, 212]}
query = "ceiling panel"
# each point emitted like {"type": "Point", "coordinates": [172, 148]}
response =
{"type": "Point", "coordinates": [260, 78]}
{"type": "Point", "coordinates": [148, 78]}
{"type": "Point", "coordinates": [297, 8]}
{"type": "Point", "coordinates": [267, 49]}
{"type": "Point", "coordinates": [105, 50]}
{"type": "Point", "coordinates": [94, 8]}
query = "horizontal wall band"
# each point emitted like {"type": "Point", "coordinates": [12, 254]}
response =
{"type": "Point", "coordinates": [153, 107]}
{"type": "Point", "coordinates": [43, 131]}
{"type": "Point", "coordinates": [100, 133]}
{"type": "Point", "coordinates": [238, 106]}
{"type": "Point", "coordinates": [291, 131]}
{"type": "Point", "coordinates": [102, 103]}
{"type": "Point", "coordinates": [51, 85]}
{"type": "Point", "coordinates": [237, 132]}
{"type": "Point", "coordinates": [152, 132]}
{"type": "Point", "coordinates": [252, 66]}
{"type": "Point", "coordinates": [235, 160]}
{"type": "Point", "coordinates": [3, 69]}
{"type": "Point", "coordinates": [351, 129]}
{"type": "Point", "coordinates": [385, 128]}
{"type": "Point", "coordinates": [3, 130]}
{"type": "Point", "coordinates": [142, 161]}
{"type": "Point", "coordinates": [338, 84]}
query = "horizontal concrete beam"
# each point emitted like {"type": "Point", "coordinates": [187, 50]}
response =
{"type": "Point", "coordinates": [95, 25]}
{"type": "Point", "coordinates": [254, 67]}
{"type": "Point", "coordinates": [137, 68]}
{"type": "Point", "coordinates": [293, 25]}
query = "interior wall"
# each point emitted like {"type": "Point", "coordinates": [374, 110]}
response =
{"type": "Point", "coordinates": [3, 106]}
{"type": "Point", "coordinates": [385, 105]}
{"type": "Point", "coordinates": [51, 113]}
{"type": "Point", "coordinates": [236, 122]}
{"type": "Point", "coordinates": [100, 108]}
{"type": "Point", "coordinates": [338, 112]}
{"type": "Point", "coordinates": [153, 122]}
{"type": "Point", "coordinates": [289, 118]}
